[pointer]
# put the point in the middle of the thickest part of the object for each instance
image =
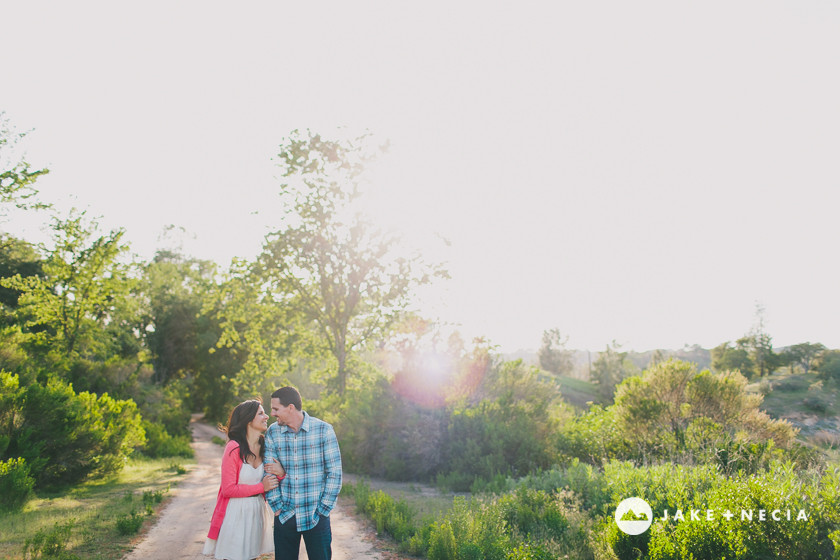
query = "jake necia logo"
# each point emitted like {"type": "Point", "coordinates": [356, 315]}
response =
{"type": "Point", "coordinates": [634, 515]}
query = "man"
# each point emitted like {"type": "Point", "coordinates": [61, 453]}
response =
{"type": "Point", "coordinates": [308, 449]}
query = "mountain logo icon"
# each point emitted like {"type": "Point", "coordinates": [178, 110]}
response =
{"type": "Point", "coordinates": [633, 516]}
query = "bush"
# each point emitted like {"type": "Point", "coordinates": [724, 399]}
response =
{"type": "Point", "coordinates": [65, 437]}
{"type": "Point", "coordinates": [129, 524]}
{"type": "Point", "coordinates": [15, 484]}
{"type": "Point", "coordinates": [790, 384]}
{"type": "Point", "coordinates": [442, 544]}
{"type": "Point", "coordinates": [394, 517]}
{"type": "Point", "coordinates": [159, 443]}
{"type": "Point", "coordinates": [496, 438]}
{"type": "Point", "coordinates": [816, 404]}
{"type": "Point", "coordinates": [782, 488]}
{"type": "Point", "coordinates": [828, 365]}
{"type": "Point", "coordinates": [50, 543]}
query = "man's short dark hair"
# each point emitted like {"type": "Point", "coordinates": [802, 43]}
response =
{"type": "Point", "coordinates": [287, 396]}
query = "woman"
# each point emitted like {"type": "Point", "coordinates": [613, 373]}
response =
{"type": "Point", "coordinates": [242, 524]}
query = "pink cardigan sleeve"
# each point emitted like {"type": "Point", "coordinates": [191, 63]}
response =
{"type": "Point", "coordinates": [231, 463]}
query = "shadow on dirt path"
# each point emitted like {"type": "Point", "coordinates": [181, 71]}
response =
{"type": "Point", "coordinates": [182, 526]}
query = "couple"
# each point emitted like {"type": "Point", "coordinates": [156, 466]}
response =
{"type": "Point", "coordinates": [297, 466]}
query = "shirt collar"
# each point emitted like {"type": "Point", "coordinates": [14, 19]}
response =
{"type": "Point", "coordinates": [304, 426]}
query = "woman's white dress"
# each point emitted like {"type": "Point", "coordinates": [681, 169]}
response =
{"type": "Point", "coordinates": [248, 527]}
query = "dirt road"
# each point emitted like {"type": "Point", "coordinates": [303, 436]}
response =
{"type": "Point", "coordinates": [181, 529]}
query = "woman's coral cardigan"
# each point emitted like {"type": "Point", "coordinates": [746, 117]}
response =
{"type": "Point", "coordinates": [230, 487]}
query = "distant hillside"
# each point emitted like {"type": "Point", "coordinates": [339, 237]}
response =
{"type": "Point", "coordinates": [696, 354]}
{"type": "Point", "coordinates": [810, 404]}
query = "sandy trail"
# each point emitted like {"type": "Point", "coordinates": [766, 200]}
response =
{"type": "Point", "coordinates": [181, 529]}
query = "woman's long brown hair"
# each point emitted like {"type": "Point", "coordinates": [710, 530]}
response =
{"type": "Point", "coordinates": [237, 428]}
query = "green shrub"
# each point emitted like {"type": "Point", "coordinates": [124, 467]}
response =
{"type": "Point", "coordinates": [130, 524]}
{"type": "Point", "coordinates": [154, 498]}
{"type": "Point", "coordinates": [65, 437]}
{"type": "Point", "coordinates": [585, 481]}
{"type": "Point", "coordinates": [495, 438]}
{"type": "Point", "coordinates": [529, 552]}
{"type": "Point", "coordinates": [790, 384]}
{"type": "Point", "coordinates": [816, 404]}
{"type": "Point", "coordinates": [50, 543]}
{"type": "Point", "coordinates": [159, 443]}
{"type": "Point", "coordinates": [782, 488]}
{"type": "Point", "coordinates": [15, 484]}
{"type": "Point", "coordinates": [391, 516]}
{"type": "Point", "coordinates": [442, 544]}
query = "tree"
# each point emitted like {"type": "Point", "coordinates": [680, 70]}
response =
{"type": "Point", "coordinates": [760, 344]}
{"type": "Point", "coordinates": [328, 260]}
{"type": "Point", "coordinates": [727, 357]}
{"type": "Point", "coordinates": [16, 257]}
{"type": "Point", "coordinates": [16, 176]}
{"type": "Point", "coordinates": [552, 355]}
{"type": "Point", "coordinates": [174, 286]}
{"type": "Point", "coordinates": [828, 364]}
{"type": "Point", "coordinates": [610, 369]}
{"type": "Point", "coordinates": [803, 355]}
{"type": "Point", "coordinates": [82, 286]}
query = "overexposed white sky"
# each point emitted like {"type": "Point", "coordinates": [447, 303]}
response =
{"type": "Point", "coordinates": [644, 172]}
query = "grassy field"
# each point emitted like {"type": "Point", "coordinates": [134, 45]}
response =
{"type": "Point", "coordinates": [94, 509]}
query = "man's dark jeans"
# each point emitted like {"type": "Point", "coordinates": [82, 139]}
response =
{"type": "Point", "coordinates": [318, 540]}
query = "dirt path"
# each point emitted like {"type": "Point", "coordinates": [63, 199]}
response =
{"type": "Point", "coordinates": [181, 529]}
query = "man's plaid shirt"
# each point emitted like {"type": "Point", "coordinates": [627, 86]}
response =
{"type": "Point", "coordinates": [313, 471]}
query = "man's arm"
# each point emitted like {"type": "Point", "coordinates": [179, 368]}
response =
{"type": "Point", "coordinates": [332, 468]}
{"type": "Point", "coordinates": [272, 451]}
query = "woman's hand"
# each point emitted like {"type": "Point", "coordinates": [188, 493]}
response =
{"type": "Point", "coordinates": [275, 468]}
{"type": "Point", "coordinates": [269, 482]}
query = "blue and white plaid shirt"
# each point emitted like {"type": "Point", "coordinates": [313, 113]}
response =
{"type": "Point", "coordinates": [313, 471]}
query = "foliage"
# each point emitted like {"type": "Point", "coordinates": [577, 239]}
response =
{"type": "Point", "coordinates": [95, 505]}
{"type": "Point", "coordinates": [803, 355]}
{"type": "Point", "coordinates": [64, 436]}
{"type": "Point", "coordinates": [733, 358]}
{"type": "Point", "coordinates": [82, 293]}
{"type": "Point", "coordinates": [673, 413]}
{"type": "Point", "coordinates": [610, 368]}
{"type": "Point", "coordinates": [781, 488]}
{"type": "Point", "coordinates": [260, 343]}
{"type": "Point", "coordinates": [15, 484]}
{"type": "Point", "coordinates": [442, 544]}
{"type": "Point", "coordinates": [175, 287]}
{"type": "Point", "coordinates": [160, 444]}
{"type": "Point", "coordinates": [328, 261]}
{"type": "Point", "coordinates": [553, 356]}
{"type": "Point", "coordinates": [17, 257]}
{"type": "Point", "coordinates": [828, 365]}
{"type": "Point", "coordinates": [383, 434]}
{"type": "Point", "coordinates": [129, 524]}
{"type": "Point", "coordinates": [507, 433]}
{"type": "Point", "coordinates": [752, 354]}
{"type": "Point", "coordinates": [672, 410]}
{"type": "Point", "coordinates": [51, 543]}
{"type": "Point", "coordinates": [391, 516]}
{"type": "Point", "coordinates": [16, 175]}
